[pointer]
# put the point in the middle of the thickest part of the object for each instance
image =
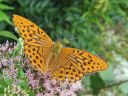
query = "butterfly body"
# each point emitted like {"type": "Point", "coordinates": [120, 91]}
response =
{"type": "Point", "coordinates": [53, 56]}
{"type": "Point", "coordinates": [57, 47]}
{"type": "Point", "coordinates": [48, 56]}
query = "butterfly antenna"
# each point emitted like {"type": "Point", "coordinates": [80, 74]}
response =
{"type": "Point", "coordinates": [51, 25]}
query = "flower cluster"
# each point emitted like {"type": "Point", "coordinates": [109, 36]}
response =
{"type": "Point", "coordinates": [51, 87]}
{"type": "Point", "coordinates": [8, 62]}
{"type": "Point", "coordinates": [40, 84]}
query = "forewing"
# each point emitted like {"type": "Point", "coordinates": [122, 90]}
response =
{"type": "Point", "coordinates": [74, 64]}
{"type": "Point", "coordinates": [37, 43]}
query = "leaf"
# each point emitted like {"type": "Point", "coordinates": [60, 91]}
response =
{"type": "Point", "coordinates": [5, 17]}
{"type": "Point", "coordinates": [3, 83]}
{"type": "Point", "coordinates": [86, 81]}
{"type": "Point", "coordinates": [1, 91]}
{"type": "Point", "coordinates": [23, 2]}
{"type": "Point", "coordinates": [8, 35]}
{"type": "Point", "coordinates": [5, 7]}
{"type": "Point", "coordinates": [1, 1]}
{"type": "Point", "coordinates": [75, 9]}
{"type": "Point", "coordinates": [107, 73]}
{"type": "Point", "coordinates": [21, 74]}
{"type": "Point", "coordinates": [124, 88]}
{"type": "Point", "coordinates": [8, 81]}
{"type": "Point", "coordinates": [96, 83]}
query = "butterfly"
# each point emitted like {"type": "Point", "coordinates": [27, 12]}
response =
{"type": "Point", "coordinates": [48, 56]}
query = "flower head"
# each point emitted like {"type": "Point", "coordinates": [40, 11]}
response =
{"type": "Point", "coordinates": [40, 83]}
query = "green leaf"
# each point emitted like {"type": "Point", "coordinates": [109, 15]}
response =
{"type": "Point", "coordinates": [1, 91]}
{"type": "Point", "coordinates": [5, 17]}
{"type": "Point", "coordinates": [3, 83]}
{"type": "Point", "coordinates": [8, 35]}
{"type": "Point", "coordinates": [124, 88]}
{"type": "Point", "coordinates": [96, 83]}
{"type": "Point", "coordinates": [107, 73]}
{"type": "Point", "coordinates": [5, 7]}
{"type": "Point", "coordinates": [8, 81]}
{"type": "Point", "coordinates": [23, 2]}
{"type": "Point", "coordinates": [21, 74]}
{"type": "Point", "coordinates": [86, 81]}
{"type": "Point", "coordinates": [1, 1]}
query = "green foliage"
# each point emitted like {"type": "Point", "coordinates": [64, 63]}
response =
{"type": "Point", "coordinates": [3, 84]}
{"type": "Point", "coordinates": [5, 7]}
{"type": "Point", "coordinates": [97, 84]}
{"type": "Point", "coordinates": [3, 14]}
{"type": "Point", "coordinates": [5, 20]}
{"type": "Point", "coordinates": [123, 87]}
{"type": "Point", "coordinates": [8, 35]}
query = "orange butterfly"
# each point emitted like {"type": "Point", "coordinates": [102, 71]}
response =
{"type": "Point", "coordinates": [47, 55]}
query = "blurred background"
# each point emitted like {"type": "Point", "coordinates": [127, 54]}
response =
{"type": "Point", "coordinates": [97, 26]}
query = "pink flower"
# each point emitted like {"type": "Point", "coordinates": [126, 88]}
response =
{"type": "Point", "coordinates": [67, 93]}
{"type": "Point", "coordinates": [4, 62]}
{"type": "Point", "coordinates": [54, 87]}
{"type": "Point", "coordinates": [47, 85]}
{"type": "Point", "coordinates": [29, 74]}
{"type": "Point", "coordinates": [34, 83]}
{"type": "Point", "coordinates": [76, 86]}
{"type": "Point", "coordinates": [39, 94]}
{"type": "Point", "coordinates": [8, 63]}
{"type": "Point", "coordinates": [7, 47]}
{"type": "Point", "coordinates": [4, 46]}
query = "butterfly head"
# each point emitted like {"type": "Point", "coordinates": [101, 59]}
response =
{"type": "Point", "coordinates": [57, 48]}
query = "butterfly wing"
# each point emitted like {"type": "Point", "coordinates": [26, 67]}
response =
{"type": "Point", "coordinates": [74, 64]}
{"type": "Point", "coordinates": [37, 44]}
